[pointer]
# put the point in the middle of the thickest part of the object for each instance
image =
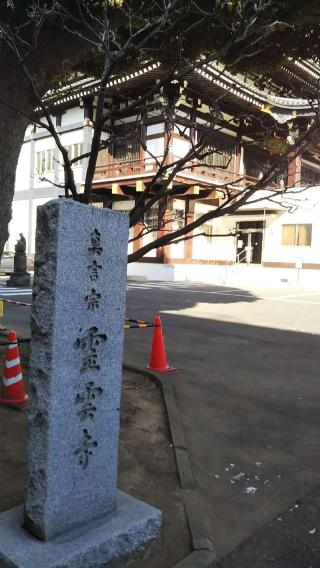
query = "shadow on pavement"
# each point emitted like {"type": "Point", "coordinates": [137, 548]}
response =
{"type": "Point", "coordinates": [18, 317]}
{"type": "Point", "coordinates": [171, 297]}
{"type": "Point", "coordinates": [248, 399]}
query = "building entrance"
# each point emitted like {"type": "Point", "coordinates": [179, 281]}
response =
{"type": "Point", "coordinates": [249, 241]}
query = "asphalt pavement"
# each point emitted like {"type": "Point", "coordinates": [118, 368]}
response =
{"type": "Point", "coordinates": [247, 393]}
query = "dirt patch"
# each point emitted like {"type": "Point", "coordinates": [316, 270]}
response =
{"type": "Point", "coordinates": [147, 467]}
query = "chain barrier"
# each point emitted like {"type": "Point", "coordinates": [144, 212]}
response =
{"type": "Point", "coordinates": [22, 340]}
{"type": "Point", "coordinates": [139, 325]}
{"type": "Point", "coordinates": [132, 323]}
{"type": "Point", "coordinates": [136, 321]}
{"type": "Point", "coordinates": [14, 302]}
{"type": "Point", "coordinates": [136, 324]}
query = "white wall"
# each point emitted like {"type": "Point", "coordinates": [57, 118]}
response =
{"type": "Point", "coordinates": [178, 272]}
{"type": "Point", "coordinates": [180, 147]}
{"type": "Point", "coordinates": [304, 209]}
{"type": "Point", "coordinates": [23, 168]}
{"type": "Point", "coordinates": [275, 251]}
{"type": "Point", "coordinates": [224, 247]}
{"type": "Point", "coordinates": [22, 215]}
{"type": "Point", "coordinates": [46, 143]}
{"type": "Point", "coordinates": [151, 271]}
{"type": "Point", "coordinates": [148, 238]}
{"type": "Point", "coordinates": [125, 206]}
{"type": "Point", "coordinates": [19, 222]}
{"type": "Point", "coordinates": [239, 276]}
{"type": "Point", "coordinates": [67, 139]}
{"type": "Point", "coordinates": [155, 147]}
{"type": "Point", "coordinates": [71, 116]}
{"type": "Point", "coordinates": [177, 250]}
{"type": "Point", "coordinates": [214, 248]}
{"type": "Point", "coordinates": [155, 128]}
{"type": "Point", "coordinates": [35, 204]}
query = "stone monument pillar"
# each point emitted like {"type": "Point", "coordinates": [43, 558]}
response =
{"type": "Point", "coordinates": [20, 275]}
{"type": "Point", "coordinates": [74, 516]}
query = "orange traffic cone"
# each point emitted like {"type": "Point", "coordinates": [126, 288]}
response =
{"type": "Point", "coordinates": [158, 359]}
{"type": "Point", "coordinates": [13, 393]}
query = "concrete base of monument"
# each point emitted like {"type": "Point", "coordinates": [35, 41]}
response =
{"type": "Point", "coordinates": [128, 532]}
{"type": "Point", "coordinates": [18, 279]}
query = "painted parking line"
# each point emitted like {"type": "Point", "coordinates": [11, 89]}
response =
{"type": "Point", "coordinates": [292, 298]}
{"type": "Point", "coordinates": [258, 298]}
{"type": "Point", "coordinates": [181, 287]}
{"type": "Point", "coordinates": [14, 289]}
{"type": "Point", "coordinates": [306, 302]}
{"type": "Point", "coordinates": [10, 292]}
{"type": "Point", "coordinates": [217, 292]}
{"type": "Point", "coordinates": [4, 292]}
{"type": "Point", "coordinates": [298, 295]}
{"type": "Point", "coordinates": [7, 289]}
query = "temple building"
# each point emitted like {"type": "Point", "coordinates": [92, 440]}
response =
{"type": "Point", "coordinates": [274, 241]}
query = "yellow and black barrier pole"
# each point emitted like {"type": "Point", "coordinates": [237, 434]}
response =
{"type": "Point", "coordinates": [129, 322]}
{"type": "Point", "coordinates": [2, 327]}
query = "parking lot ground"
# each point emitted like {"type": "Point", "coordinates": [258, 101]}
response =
{"type": "Point", "coordinates": [247, 394]}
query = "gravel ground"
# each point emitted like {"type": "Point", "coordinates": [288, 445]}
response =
{"type": "Point", "coordinates": [147, 467]}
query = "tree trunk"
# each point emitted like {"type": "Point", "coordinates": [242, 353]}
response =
{"type": "Point", "coordinates": [15, 93]}
{"type": "Point", "coordinates": [12, 129]}
{"type": "Point", "coordinates": [17, 99]}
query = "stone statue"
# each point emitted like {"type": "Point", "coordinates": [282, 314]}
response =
{"type": "Point", "coordinates": [21, 245]}
{"type": "Point", "coordinates": [20, 276]}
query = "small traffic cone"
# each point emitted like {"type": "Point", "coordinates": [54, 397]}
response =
{"type": "Point", "coordinates": [158, 359]}
{"type": "Point", "coordinates": [13, 393]}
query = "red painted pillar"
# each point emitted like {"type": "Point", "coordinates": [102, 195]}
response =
{"type": "Point", "coordinates": [137, 244]}
{"type": "Point", "coordinates": [164, 253]}
{"type": "Point", "coordinates": [189, 218]}
{"type": "Point", "coordinates": [294, 172]}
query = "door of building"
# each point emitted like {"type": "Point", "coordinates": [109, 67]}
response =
{"type": "Point", "coordinates": [249, 241]}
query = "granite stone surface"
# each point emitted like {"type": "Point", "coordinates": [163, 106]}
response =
{"type": "Point", "coordinates": [127, 532]}
{"type": "Point", "coordinates": [75, 367]}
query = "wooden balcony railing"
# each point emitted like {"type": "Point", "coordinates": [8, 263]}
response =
{"type": "Point", "coordinates": [221, 175]}
{"type": "Point", "coordinates": [136, 168]}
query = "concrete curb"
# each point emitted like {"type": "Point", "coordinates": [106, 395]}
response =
{"type": "Point", "coordinates": [203, 555]}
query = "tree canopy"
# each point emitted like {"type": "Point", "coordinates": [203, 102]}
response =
{"type": "Point", "coordinates": [45, 44]}
{"type": "Point", "coordinates": [248, 34]}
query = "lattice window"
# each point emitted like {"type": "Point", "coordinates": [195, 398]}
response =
{"type": "Point", "coordinates": [309, 176]}
{"type": "Point", "coordinates": [126, 149]}
{"type": "Point", "coordinates": [74, 151]}
{"type": "Point", "coordinates": [44, 161]}
{"type": "Point", "coordinates": [151, 217]}
{"type": "Point", "coordinates": [257, 164]}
